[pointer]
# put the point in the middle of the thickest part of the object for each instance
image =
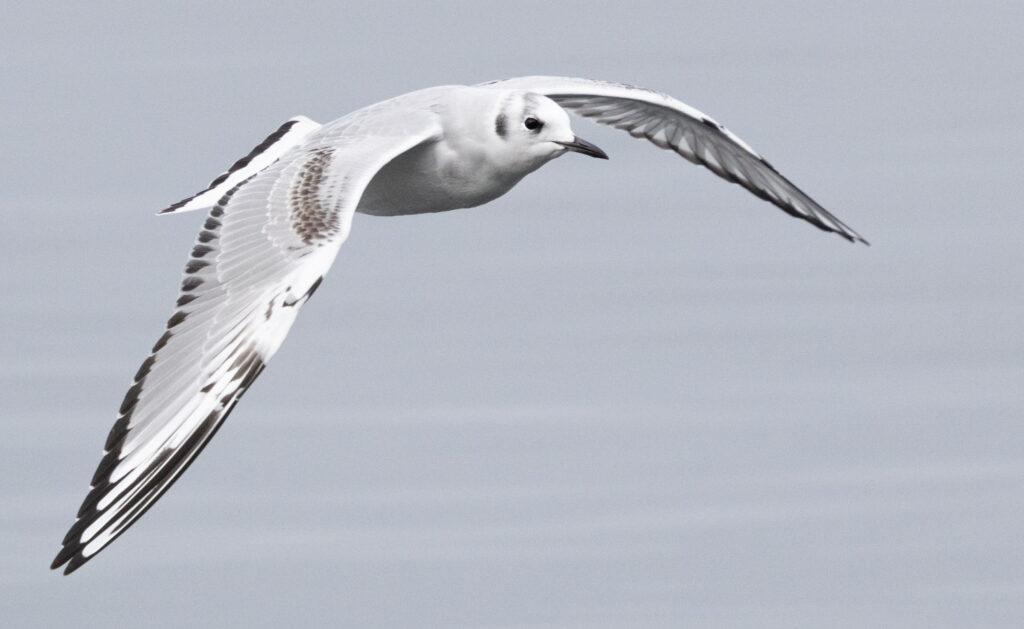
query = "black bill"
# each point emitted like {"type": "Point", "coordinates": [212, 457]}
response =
{"type": "Point", "coordinates": [580, 145]}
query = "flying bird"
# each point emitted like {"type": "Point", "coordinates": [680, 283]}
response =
{"type": "Point", "coordinates": [279, 215]}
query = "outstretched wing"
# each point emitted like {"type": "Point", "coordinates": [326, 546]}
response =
{"type": "Point", "coordinates": [670, 124]}
{"type": "Point", "coordinates": [287, 136]}
{"type": "Point", "coordinates": [261, 253]}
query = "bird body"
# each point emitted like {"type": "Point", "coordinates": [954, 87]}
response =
{"type": "Point", "coordinates": [464, 165]}
{"type": "Point", "coordinates": [278, 217]}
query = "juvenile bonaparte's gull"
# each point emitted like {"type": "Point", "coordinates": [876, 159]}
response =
{"type": "Point", "coordinates": [279, 215]}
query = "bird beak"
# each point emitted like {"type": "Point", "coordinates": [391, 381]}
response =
{"type": "Point", "coordinates": [580, 145]}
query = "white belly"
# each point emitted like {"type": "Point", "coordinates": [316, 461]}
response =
{"type": "Point", "coordinates": [428, 179]}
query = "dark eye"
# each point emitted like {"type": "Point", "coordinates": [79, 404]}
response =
{"type": "Point", "coordinates": [532, 123]}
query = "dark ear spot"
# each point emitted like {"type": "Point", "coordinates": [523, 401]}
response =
{"type": "Point", "coordinates": [501, 125]}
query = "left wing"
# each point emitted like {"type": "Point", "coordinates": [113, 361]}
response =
{"type": "Point", "coordinates": [262, 252]}
{"type": "Point", "coordinates": [673, 125]}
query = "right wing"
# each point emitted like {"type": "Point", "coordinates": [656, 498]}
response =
{"type": "Point", "coordinates": [262, 252]}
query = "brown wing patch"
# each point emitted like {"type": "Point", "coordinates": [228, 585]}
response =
{"type": "Point", "coordinates": [312, 219]}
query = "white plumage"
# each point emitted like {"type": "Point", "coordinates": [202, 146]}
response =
{"type": "Point", "coordinates": [280, 214]}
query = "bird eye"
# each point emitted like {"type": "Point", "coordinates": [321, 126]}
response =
{"type": "Point", "coordinates": [532, 123]}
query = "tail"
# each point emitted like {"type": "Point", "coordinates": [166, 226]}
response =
{"type": "Point", "coordinates": [266, 153]}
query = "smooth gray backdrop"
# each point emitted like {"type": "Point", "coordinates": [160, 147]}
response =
{"type": "Point", "coordinates": [627, 394]}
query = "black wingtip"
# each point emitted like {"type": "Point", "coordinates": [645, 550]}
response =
{"type": "Point", "coordinates": [61, 558]}
{"type": "Point", "coordinates": [853, 237]}
{"type": "Point", "coordinates": [75, 563]}
{"type": "Point", "coordinates": [69, 555]}
{"type": "Point", "coordinates": [170, 209]}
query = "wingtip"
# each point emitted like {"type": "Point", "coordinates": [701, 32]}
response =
{"type": "Point", "coordinates": [180, 206]}
{"type": "Point", "coordinates": [70, 558]}
{"type": "Point", "coordinates": [75, 563]}
{"type": "Point", "coordinates": [65, 556]}
{"type": "Point", "coordinates": [854, 237]}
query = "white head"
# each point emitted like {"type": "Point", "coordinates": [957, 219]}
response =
{"type": "Point", "coordinates": [536, 130]}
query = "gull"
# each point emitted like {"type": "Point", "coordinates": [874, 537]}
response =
{"type": "Point", "coordinates": [279, 215]}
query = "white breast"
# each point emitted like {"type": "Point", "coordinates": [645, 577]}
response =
{"type": "Point", "coordinates": [436, 177]}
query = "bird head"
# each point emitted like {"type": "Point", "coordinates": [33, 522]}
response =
{"type": "Point", "coordinates": [536, 129]}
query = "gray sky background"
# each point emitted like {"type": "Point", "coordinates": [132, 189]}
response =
{"type": "Point", "coordinates": [627, 394]}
